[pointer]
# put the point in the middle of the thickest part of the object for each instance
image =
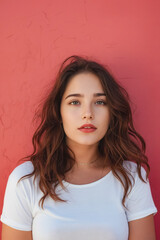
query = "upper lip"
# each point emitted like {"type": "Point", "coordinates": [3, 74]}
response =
{"type": "Point", "coordinates": [87, 125]}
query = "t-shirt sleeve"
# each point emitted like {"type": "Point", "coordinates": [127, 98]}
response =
{"type": "Point", "coordinates": [17, 210]}
{"type": "Point", "coordinates": [139, 202]}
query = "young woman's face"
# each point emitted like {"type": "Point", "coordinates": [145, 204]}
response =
{"type": "Point", "coordinates": [81, 105]}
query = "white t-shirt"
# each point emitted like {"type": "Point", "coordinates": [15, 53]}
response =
{"type": "Point", "coordinates": [93, 211]}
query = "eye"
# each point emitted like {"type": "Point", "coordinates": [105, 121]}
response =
{"type": "Point", "coordinates": [74, 102]}
{"type": "Point", "coordinates": [101, 102]}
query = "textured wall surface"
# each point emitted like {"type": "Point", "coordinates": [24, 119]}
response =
{"type": "Point", "coordinates": [36, 35]}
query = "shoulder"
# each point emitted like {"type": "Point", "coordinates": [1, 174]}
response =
{"type": "Point", "coordinates": [19, 198]}
{"type": "Point", "coordinates": [131, 168]}
{"type": "Point", "coordinates": [21, 170]}
{"type": "Point", "coordinates": [16, 186]}
{"type": "Point", "coordinates": [139, 202]}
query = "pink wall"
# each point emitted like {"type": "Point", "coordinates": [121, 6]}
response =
{"type": "Point", "coordinates": [36, 36]}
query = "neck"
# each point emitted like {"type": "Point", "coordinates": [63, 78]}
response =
{"type": "Point", "coordinates": [86, 156]}
{"type": "Point", "coordinates": [87, 165]}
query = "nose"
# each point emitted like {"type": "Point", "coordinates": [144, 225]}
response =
{"type": "Point", "coordinates": [87, 113]}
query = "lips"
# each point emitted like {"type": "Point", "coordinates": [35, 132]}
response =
{"type": "Point", "coordinates": [87, 126]}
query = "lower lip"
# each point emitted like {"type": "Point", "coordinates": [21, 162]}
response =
{"type": "Point", "coordinates": [87, 130]}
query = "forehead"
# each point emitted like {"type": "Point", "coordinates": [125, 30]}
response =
{"type": "Point", "coordinates": [85, 82]}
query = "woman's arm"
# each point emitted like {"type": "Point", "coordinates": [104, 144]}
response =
{"type": "Point", "coordinates": [142, 229]}
{"type": "Point", "coordinates": [9, 233]}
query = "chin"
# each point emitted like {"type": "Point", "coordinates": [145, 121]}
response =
{"type": "Point", "coordinates": [85, 142]}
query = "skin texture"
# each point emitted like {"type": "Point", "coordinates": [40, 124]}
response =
{"type": "Point", "coordinates": [79, 110]}
{"type": "Point", "coordinates": [142, 229]}
{"type": "Point", "coordinates": [76, 111]}
{"type": "Point", "coordinates": [9, 233]}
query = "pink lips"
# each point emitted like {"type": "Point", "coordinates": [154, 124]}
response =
{"type": "Point", "coordinates": [91, 128]}
{"type": "Point", "coordinates": [88, 125]}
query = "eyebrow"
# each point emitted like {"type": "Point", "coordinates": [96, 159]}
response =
{"type": "Point", "coordinates": [82, 95]}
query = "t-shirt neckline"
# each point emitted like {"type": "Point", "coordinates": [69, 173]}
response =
{"type": "Point", "coordinates": [88, 184]}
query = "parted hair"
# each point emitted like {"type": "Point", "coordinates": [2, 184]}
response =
{"type": "Point", "coordinates": [52, 157]}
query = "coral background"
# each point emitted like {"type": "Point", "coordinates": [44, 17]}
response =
{"type": "Point", "coordinates": [37, 35]}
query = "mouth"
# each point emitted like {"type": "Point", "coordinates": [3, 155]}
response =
{"type": "Point", "coordinates": [87, 130]}
{"type": "Point", "coordinates": [87, 126]}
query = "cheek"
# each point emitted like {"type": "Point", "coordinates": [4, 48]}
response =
{"type": "Point", "coordinates": [104, 121]}
{"type": "Point", "coordinates": [103, 114]}
{"type": "Point", "coordinates": [69, 117]}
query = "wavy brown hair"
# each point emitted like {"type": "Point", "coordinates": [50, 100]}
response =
{"type": "Point", "coordinates": [51, 157]}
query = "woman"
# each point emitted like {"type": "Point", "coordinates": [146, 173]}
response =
{"type": "Point", "coordinates": [88, 175]}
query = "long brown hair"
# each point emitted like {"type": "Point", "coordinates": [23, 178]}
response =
{"type": "Point", "coordinates": [51, 157]}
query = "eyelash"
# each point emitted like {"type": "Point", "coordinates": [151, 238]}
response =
{"type": "Point", "coordinates": [104, 103]}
